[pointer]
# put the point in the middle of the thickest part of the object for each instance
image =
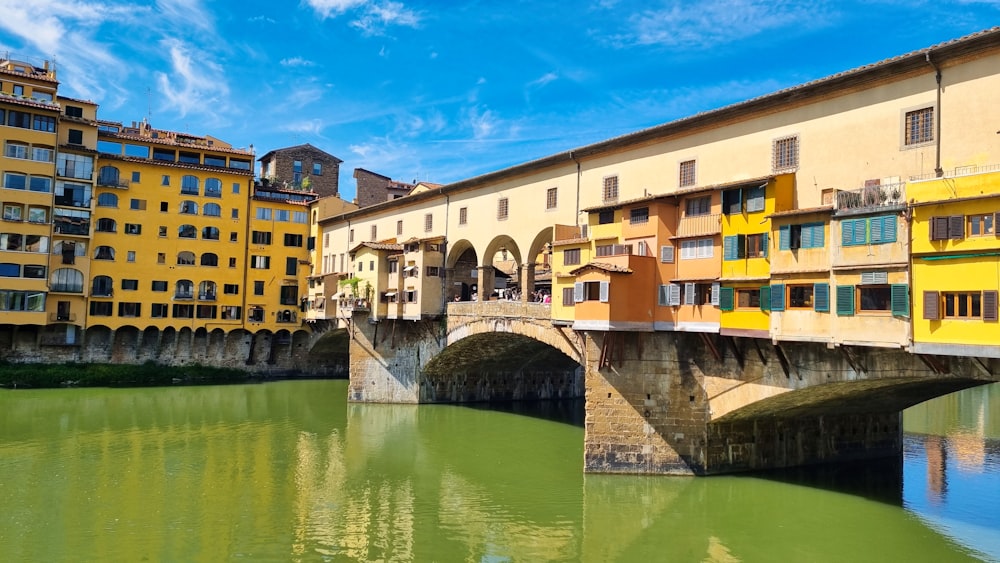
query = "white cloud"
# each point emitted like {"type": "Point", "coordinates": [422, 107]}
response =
{"type": "Point", "coordinates": [195, 84]}
{"type": "Point", "coordinates": [376, 17]}
{"type": "Point", "coordinates": [333, 8]}
{"type": "Point", "coordinates": [308, 126]}
{"type": "Point", "coordinates": [543, 80]}
{"type": "Point", "coordinates": [483, 123]}
{"type": "Point", "coordinates": [296, 62]}
{"type": "Point", "coordinates": [262, 19]}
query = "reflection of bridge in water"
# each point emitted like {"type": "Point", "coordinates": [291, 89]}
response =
{"type": "Point", "coordinates": [659, 402]}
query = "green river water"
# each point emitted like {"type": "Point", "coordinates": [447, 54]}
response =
{"type": "Point", "coordinates": [289, 471]}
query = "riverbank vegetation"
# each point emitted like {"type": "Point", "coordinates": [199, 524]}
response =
{"type": "Point", "coordinates": [14, 376]}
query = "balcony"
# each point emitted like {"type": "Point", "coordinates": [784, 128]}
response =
{"type": "Point", "coordinates": [870, 198]}
{"type": "Point", "coordinates": [62, 318]}
{"type": "Point", "coordinates": [206, 296]}
{"type": "Point", "coordinates": [350, 304]}
{"type": "Point", "coordinates": [111, 182]}
{"type": "Point", "coordinates": [184, 295]}
{"type": "Point", "coordinates": [66, 288]}
{"type": "Point", "coordinates": [699, 225]}
{"type": "Point", "coordinates": [102, 292]}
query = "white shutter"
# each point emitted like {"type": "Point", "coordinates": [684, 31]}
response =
{"type": "Point", "coordinates": [578, 292]}
{"type": "Point", "coordinates": [715, 294]}
{"type": "Point", "coordinates": [605, 291]}
{"type": "Point", "coordinates": [689, 294]}
{"type": "Point", "coordinates": [663, 295]}
{"type": "Point", "coordinates": [874, 278]}
{"type": "Point", "coordinates": [675, 294]}
{"type": "Point", "coordinates": [642, 248]}
{"type": "Point", "coordinates": [667, 254]}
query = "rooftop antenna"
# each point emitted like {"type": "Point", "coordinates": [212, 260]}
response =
{"type": "Point", "coordinates": [149, 104]}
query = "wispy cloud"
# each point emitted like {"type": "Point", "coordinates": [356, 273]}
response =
{"type": "Point", "coordinates": [262, 19]}
{"type": "Point", "coordinates": [332, 8]}
{"type": "Point", "coordinates": [371, 17]}
{"type": "Point", "coordinates": [309, 126]}
{"type": "Point", "coordinates": [543, 80]}
{"type": "Point", "coordinates": [483, 122]}
{"type": "Point", "coordinates": [194, 84]}
{"type": "Point", "coordinates": [296, 62]}
{"type": "Point", "coordinates": [704, 24]}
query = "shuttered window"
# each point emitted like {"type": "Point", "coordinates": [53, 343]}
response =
{"type": "Point", "coordinates": [663, 295]}
{"type": "Point", "coordinates": [989, 305]}
{"type": "Point", "coordinates": [675, 294]}
{"type": "Point", "coordinates": [726, 298]}
{"type": "Point", "coordinates": [715, 294]}
{"type": "Point", "coordinates": [578, 292]}
{"type": "Point", "coordinates": [939, 228]}
{"type": "Point", "coordinates": [956, 227]}
{"type": "Point", "coordinates": [765, 298]}
{"type": "Point", "coordinates": [932, 305]}
{"type": "Point", "coordinates": [778, 297]}
{"type": "Point", "coordinates": [734, 247]}
{"type": "Point", "coordinates": [845, 300]}
{"type": "Point", "coordinates": [883, 229]}
{"type": "Point", "coordinates": [901, 300]}
{"type": "Point", "coordinates": [667, 254]}
{"type": "Point", "coordinates": [605, 291]}
{"type": "Point", "coordinates": [874, 278]}
{"type": "Point", "coordinates": [821, 297]}
{"type": "Point", "coordinates": [689, 294]}
{"type": "Point", "coordinates": [853, 232]}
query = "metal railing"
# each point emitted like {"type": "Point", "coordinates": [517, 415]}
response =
{"type": "Point", "coordinates": [871, 197]}
{"type": "Point", "coordinates": [699, 225]}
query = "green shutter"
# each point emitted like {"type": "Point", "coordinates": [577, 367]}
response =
{"type": "Point", "coordinates": [741, 246]}
{"type": "Point", "coordinates": [816, 240]}
{"type": "Point", "coordinates": [900, 299]}
{"type": "Point", "coordinates": [784, 237]}
{"type": "Point", "coordinates": [726, 298]}
{"type": "Point", "coordinates": [729, 248]}
{"type": "Point", "coordinates": [765, 298]}
{"type": "Point", "coordinates": [845, 300]}
{"type": "Point", "coordinates": [847, 232]}
{"type": "Point", "coordinates": [764, 243]}
{"type": "Point", "coordinates": [778, 297]}
{"type": "Point", "coordinates": [821, 297]}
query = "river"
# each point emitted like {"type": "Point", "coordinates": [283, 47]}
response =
{"type": "Point", "coordinates": [289, 471]}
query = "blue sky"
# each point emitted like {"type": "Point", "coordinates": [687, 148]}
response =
{"type": "Point", "coordinates": [446, 90]}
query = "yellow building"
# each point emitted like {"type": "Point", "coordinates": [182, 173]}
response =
{"type": "Point", "coordinates": [570, 249]}
{"type": "Point", "coordinates": [323, 282]}
{"type": "Point", "coordinates": [799, 296]}
{"type": "Point", "coordinates": [746, 266]}
{"type": "Point", "coordinates": [170, 230]}
{"type": "Point", "coordinates": [278, 258]}
{"type": "Point", "coordinates": [28, 117]}
{"type": "Point", "coordinates": [956, 263]}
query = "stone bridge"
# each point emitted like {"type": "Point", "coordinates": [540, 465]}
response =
{"type": "Point", "coordinates": [661, 402]}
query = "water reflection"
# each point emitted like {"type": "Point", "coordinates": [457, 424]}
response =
{"type": "Point", "coordinates": [290, 471]}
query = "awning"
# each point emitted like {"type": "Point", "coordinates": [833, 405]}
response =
{"type": "Point", "coordinates": [409, 268]}
{"type": "Point", "coordinates": [390, 294]}
{"type": "Point", "coordinates": [320, 302]}
{"type": "Point", "coordinates": [337, 295]}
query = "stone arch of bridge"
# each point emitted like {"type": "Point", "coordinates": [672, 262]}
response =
{"type": "Point", "coordinates": [475, 327]}
{"type": "Point", "coordinates": [504, 244]}
{"type": "Point", "coordinates": [461, 250]}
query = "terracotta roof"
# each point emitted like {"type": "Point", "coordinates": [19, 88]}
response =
{"type": "Point", "coordinates": [377, 246]}
{"type": "Point", "coordinates": [610, 268]}
{"type": "Point", "coordinates": [695, 279]}
{"type": "Point", "coordinates": [27, 102]}
{"type": "Point", "coordinates": [201, 167]}
{"type": "Point", "coordinates": [38, 74]}
{"type": "Point", "coordinates": [167, 141]}
{"type": "Point", "coordinates": [804, 211]}
{"type": "Point", "coordinates": [680, 193]}
{"type": "Point", "coordinates": [570, 241]}
{"type": "Point", "coordinates": [78, 100]}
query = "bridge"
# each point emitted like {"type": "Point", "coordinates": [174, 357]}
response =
{"type": "Point", "coordinates": [660, 403]}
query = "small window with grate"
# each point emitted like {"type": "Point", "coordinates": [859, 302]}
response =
{"type": "Point", "coordinates": [551, 198]}
{"type": "Point", "coordinates": [687, 173]}
{"type": "Point", "coordinates": [785, 155]}
{"type": "Point", "coordinates": [918, 126]}
{"type": "Point", "coordinates": [610, 192]}
{"type": "Point", "coordinates": [502, 209]}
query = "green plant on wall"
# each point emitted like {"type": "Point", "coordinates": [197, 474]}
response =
{"type": "Point", "coordinates": [353, 283]}
{"type": "Point", "coordinates": [368, 291]}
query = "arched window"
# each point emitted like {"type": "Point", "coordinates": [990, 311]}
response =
{"type": "Point", "coordinates": [184, 289]}
{"type": "Point", "coordinates": [189, 185]}
{"type": "Point", "coordinates": [213, 187]}
{"type": "Point", "coordinates": [187, 231]}
{"type": "Point", "coordinates": [107, 200]}
{"type": "Point", "coordinates": [104, 252]}
{"type": "Point", "coordinates": [206, 291]}
{"type": "Point", "coordinates": [105, 225]}
{"type": "Point", "coordinates": [185, 258]}
{"type": "Point", "coordinates": [108, 176]}
{"type": "Point", "coordinates": [212, 210]}
{"type": "Point", "coordinates": [210, 233]}
{"type": "Point", "coordinates": [209, 259]}
{"type": "Point", "coordinates": [189, 207]}
{"type": "Point", "coordinates": [103, 286]}
{"type": "Point", "coordinates": [67, 280]}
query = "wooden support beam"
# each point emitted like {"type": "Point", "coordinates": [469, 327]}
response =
{"type": "Point", "coordinates": [935, 364]}
{"type": "Point", "coordinates": [853, 359]}
{"type": "Point", "coordinates": [760, 353]}
{"type": "Point", "coordinates": [711, 346]}
{"type": "Point", "coordinates": [783, 360]}
{"type": "Point", "coordinates": [734, 346]}
{"type": "Point", "coordinates": [983, 366]}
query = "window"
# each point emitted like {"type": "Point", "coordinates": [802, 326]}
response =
{"type": "Point", "coordinates": [75, 166]}
{"type": "Point", "coordinates": [213, 187]}
{"type": "Point", "coordinates": [165, 180]}
{"type": "Point", "coordinates": [161, 257]}
{"type": "Point", "coordinates": [232, 262]}
{"type": "Point", "coordinates": [67, 280]}
{"type": "Point", "coordinates": [963, 305]}
{"type": "Point", "coordinates": [75, 137]}
{"type": "Point", "coordinates": [12, 212]}
{"type": "Point", "coordinates": [785, 153]}
{"type": "Point", "coordinates": [292, 266]}
{"type": "Point", "coordinates": [235, 213]}
{"type": "Point", "coordinates": [944, 228]}
{"type": "Point", "coordinates": [317, 169]}
{"type": "Point", "coordinates": [18, 90]}
{"type": "Point", "coordinates": [551, 198]}
{"type": "Point", "coordinates": [163, 207]}
{"type": "Point", "coordinates": [610, 189]}
{"type": "Point", "coordinates": [433, 271]}
{"type": "Point", "coordinates": [102, 286]}
{"type": "Point", "coordinates": [256, 314]}
{"type": "Point", "coordinates": [16, 150]}
{"type": "Point", "coordinates": [732, 202]}
{"type": "Point", "coordinates": [205, 311]}
{"type": "Point", "coordinates": [130, 285]}
{"type": "Point", "coordinates": [428, 222]}
{"type": "Point", "coordinates": [260, 262]}
{"type": "Point", "coordinates": [101, 308]}
{"type": "Point", "coordinates": [980, 225]}
{"type": "Point", "coordinates": [300, 217]}
{"type": "Point", "coordinates": [105, 225]}
{"type": "Point", "coordinates": [159, 285]}
{"type": "Point", "coordinates": [667, 254]}
{"type": "Point", "coordinates": [918, 126]}
{"type": "Point", "coordinates": [209, 259]}
{"type": "Point", "coordinates": [757, 245]}
{"type": "Point", "coordinates": [158, 310]}
{"type": "Point", "coordinates": [211, 210]}
{"type": "Point", "coordinates": [210, 233]}
{"type": "Point", "coordinates": [281, 215]}
{"type": "Point", "coordinates": [755, 198]}
{"type": "Point", "coordinates": [126, 309]}
{"type": "Point", "coordinates": [133, 229]}
{"type": "Point", "coordinates": [207, 291]}
{"type": "Point", "coordinates": [185, 258]}
{"type": "Point", "coordinates": [189, 207]}
{"type": "Point", "coordinates": [104, 253]}
{"type": "Point", "coordinates": [748, 298]}
{"type": "Point", "coordinates": [800, 296]}
{"type": "Point", "coordinates": [350, 236]}
{"type": "Point", "coordinates": [189, 185]}
{"type": "Point", "coordinates": [463, 215]}
{"type": "Point", "coordinates": [137, 204]}
{"type": "Point", "coordinates": [698, 248]}
{"type": "Point", "coordinates": [296, 240]}
{"type": "Point", "coordinates": [183, 311]}
{"type": "Point", "coordinates": [74, 111]}
{"type": "Point", "coordinates": [297, 171]}
{"type": "Point", "coordinates": [260, 237]}
{"type": "Point", "coordinates": [571, 257]}
{"type": "Point", "coordinates": [233, 236]}
{"type": "Point", "coordinates": [184, 289]}
{"type": "Point", "coordinates": [874, 297]}
{"type": "Point", "coordinates": [136, 176]}
{"type": "Point", "coordinates": [258, 288]}
{"type": "Point", "coordinates": [230, 289]}
{"type": "Point", "coordinates": [163, 232]}
{"type": "Point", "coordinates": [48, 124]}
{"type": "Point", "coordinates": [698, 206]}
{"type": "Point", "coordinates": [503, 207]}
{"type": "Point", "coordinates": [808, 235]}
{"type": "Point", "coordinates": [231, 312]}
{"type": "Point", "coordinates": [187, 231]}
{"type": "Point", "coordinates": [13, 181]}
{"type": "Point", "coordinates": [236, 187]}
{"type": "Point", "coordinates": [872, 230]}
{"type": "Point", "coordinates": [373, 237]}
{"type": "Point", "coordinates": [289, 295]}
{"type": "Point", "coordinates": [686, 173]}
{"type": "Point", "coordinates": [213, 160]}
{"type": "Point", "coordinates": [639, 216]}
